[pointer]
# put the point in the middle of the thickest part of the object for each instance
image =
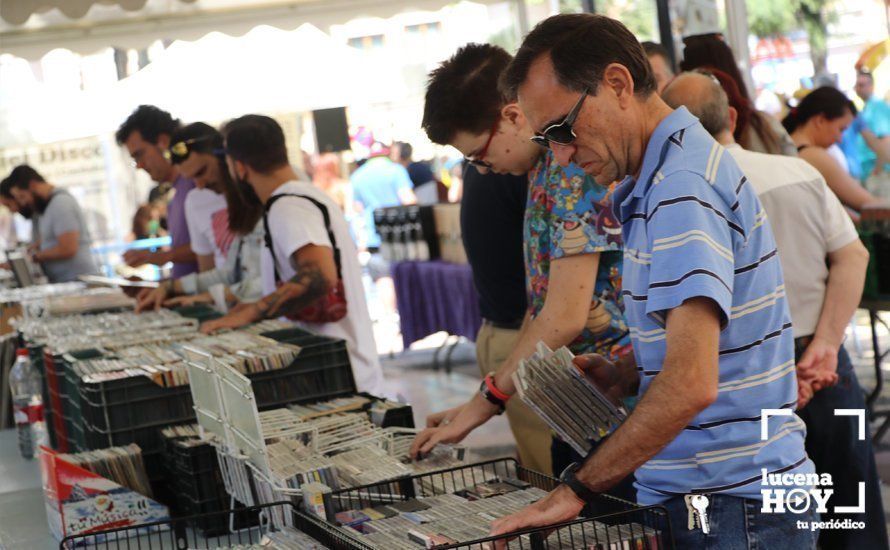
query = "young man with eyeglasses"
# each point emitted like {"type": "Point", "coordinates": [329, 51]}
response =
{"type": "Point", "coordinates": [146, 135]}
{"type": "Point", "coordinates": [572, 241]}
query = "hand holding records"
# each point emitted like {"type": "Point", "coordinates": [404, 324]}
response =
{"type": "Point", "coordinates": [580, 408]}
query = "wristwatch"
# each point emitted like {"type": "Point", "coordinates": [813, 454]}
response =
{"type": "Point", "coordinates": [568, 479]}
{"type": "Point", "coordinates": [491, 394]}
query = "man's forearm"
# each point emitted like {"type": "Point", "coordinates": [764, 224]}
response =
{"type": "Point", "coordinates": [180, 255]}
{"type": "Point", "coordinates": [846, 280]}
{"type": "Point", "coordinates": [303, 289]}
{"type": "Point", "coordinates": [554, 329]}
{"type": "Point", "coordinates": [55, 253]}
{"type": "Point", "coordinates": [658, 418]}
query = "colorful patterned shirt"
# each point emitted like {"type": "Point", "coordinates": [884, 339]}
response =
{"type": "Point", "coordinates": [693, 227]}
{"type": "Point", "coordinates": [568, 214]}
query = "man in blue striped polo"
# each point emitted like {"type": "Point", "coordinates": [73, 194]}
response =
{"type": "Point", "coordinates": [703, 295]}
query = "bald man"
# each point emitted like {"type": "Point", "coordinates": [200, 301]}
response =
{"type": "Point", "coordinates": [824, 265]}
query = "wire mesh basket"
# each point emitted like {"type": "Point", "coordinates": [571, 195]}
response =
{"type": "Point", "coordinates": [177, 533]}
{"type": "Point", "coordinates": [617, 524]}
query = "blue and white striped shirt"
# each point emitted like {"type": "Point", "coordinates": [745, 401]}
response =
{"type": "Point", "coordinates": [693, 227]}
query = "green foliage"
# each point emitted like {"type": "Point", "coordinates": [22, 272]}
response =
{"type": "Point", "coordinates": [767, 18]}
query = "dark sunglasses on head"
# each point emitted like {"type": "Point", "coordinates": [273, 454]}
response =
{"type": "Point", "coordinates": [181, 150]}
{"type": "Point", "coordinates": [561, 133]}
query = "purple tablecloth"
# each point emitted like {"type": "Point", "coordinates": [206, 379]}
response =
{"type": "Point", "coordinates": [434, 296]}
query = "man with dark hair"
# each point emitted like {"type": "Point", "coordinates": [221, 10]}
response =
{"type": "Point", "coordinates": [572, 249]}
{"type": "Point", "coordinates": [703, 294]}
{"type": "Point", "coordinates": [146, 135]}
{"type": "Point", "coordinates": [64, 247]}
{"type": "Point", "coordinates": [660, 59]}
{"type": "Point", "coordinates": [310, 264]}
{"type": "Point", "coordinates": [824, 264]}
{"type": "Point", "coordinates": [423, 181]}
{"type": "Point", "coordinates": [198, 151]}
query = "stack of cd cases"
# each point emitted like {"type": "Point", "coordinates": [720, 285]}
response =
{"type": "Point", "coordinates": [551, 385]}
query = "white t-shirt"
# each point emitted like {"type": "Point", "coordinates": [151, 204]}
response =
{"type": "Point", "coordinates": [808, 222]}
{"type": "Point", "coordinates": [208, 220]}
{"type": "Point", "coordinates": [294, 223]}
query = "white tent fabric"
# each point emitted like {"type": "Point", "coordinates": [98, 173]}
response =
{"type": "Point", "coordinates": [111, 26]}
{"type": "Point", "coordinates": [212, 79]}
{"type": "Point", "coordinates": [18, 12]}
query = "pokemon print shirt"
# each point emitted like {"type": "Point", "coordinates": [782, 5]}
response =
{"type": "Point", "coordinates": [567, 214]}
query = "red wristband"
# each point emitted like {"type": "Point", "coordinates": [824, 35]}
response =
{"type": "Point", "coordinates": [489, 382]}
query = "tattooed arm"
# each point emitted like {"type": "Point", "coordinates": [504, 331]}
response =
{"type": "Point", "coordinates": [316, 272]}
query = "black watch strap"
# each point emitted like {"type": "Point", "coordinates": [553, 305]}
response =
{"type": "Point", "coordinates": [491, 398]}
{"type": "Point", "coordinates": [569, 479]}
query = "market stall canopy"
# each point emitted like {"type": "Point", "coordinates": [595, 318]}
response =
{"type": "Point", "coordinates": [31, 28]}
{"type": "Point", "coordinates": [212, 79]}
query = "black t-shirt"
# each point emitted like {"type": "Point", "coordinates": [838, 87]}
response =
{"type": "Point", "coordinates": [491, 218]}
{"type": "Point", "coordinates": [420, 173]}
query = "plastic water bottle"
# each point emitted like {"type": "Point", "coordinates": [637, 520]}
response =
{"type": "Point", "coordinates": [27, 404]}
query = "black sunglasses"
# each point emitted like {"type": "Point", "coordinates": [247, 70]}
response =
{"type": "Point", "coordinates": [561, 133]}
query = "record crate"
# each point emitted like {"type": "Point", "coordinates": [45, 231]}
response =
{"type": "Point", "coordinates": [641, 527]}
{"type": "Point", "coordinates": [133, 410]}
{"type": "Point", "coordinates": [195, 482]}
{"type": "Point", "coordinates": [177, 532]}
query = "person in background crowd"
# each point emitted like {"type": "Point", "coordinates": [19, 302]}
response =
{"type": "Point", "coordinates": [660, 59]}
{"type": "Point", "coordinates": [206, 212]}
{"type": "Point", "coordinates": [571, 239]}
{"type": "Point", "coordinates": [146, 135]}
{"type": "Point", "coordinates": [866, 143]}
{"type": "Point", "coordinates": [64, 248]}
{"type": "Point", "coordinates": [425, 186]}
{"type": "Point", "coordinates": [326, 176]}
{"type": "Point", "coordinates": [201, 158]}
{"type": "Point", "coordinates": [146, 223]}
{"type": "Point", "coordinates": [380, 183]}
{"type": "Point", "coordinates": [26, 219]}
{"type": "Point", "coordinates": [491, 218]}
{"type": "Point", "coordinates": [763, 134]}
{"type": "Point", "coordinates": [817, 123]}
{"type": "Point", "coordinates": [308, 268]}
{"type": "Point", "coordinates": [710, 325]}
{"type": "Point", "coordinates": [824, 263]}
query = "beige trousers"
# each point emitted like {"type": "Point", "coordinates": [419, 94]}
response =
{"type": "Point", "coordinates": [493, 346]}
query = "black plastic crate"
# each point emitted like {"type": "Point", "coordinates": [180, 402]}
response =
{"type": "Point", "coordinates": [610, 510]}
{"type": "Point", "coordinates": [175, 533]}
{"type": "Point", "coordinates": [132, 410]}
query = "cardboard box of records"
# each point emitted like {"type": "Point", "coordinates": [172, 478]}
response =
{"type": "Point", "coordinates": [97, 490]}
{"type": "Point", "coordinates": [451, 246]}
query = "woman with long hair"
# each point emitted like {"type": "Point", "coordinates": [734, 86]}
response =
{"type": "Point", "coordinates": [816, 124]}
{"type": "Point", "coordinates": [762, 132]}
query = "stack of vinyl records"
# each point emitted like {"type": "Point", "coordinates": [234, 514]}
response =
{"type": "Point", "coordinates": [123, 465]}
{"type": "Point", "coordinates": [551, 385]}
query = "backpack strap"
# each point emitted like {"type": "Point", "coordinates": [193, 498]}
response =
{"type": "Point", "coordinates": [327, 224]}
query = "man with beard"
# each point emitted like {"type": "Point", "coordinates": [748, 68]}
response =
{"type": "Point", "coordinates": [26, 214]}
{"type": "Point", "coordinates": [197, 151]}
{"type": "Point", "coordinates": [64, 246]}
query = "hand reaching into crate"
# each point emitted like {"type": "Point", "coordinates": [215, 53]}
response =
{"type": "Point", "coordinates": [560, 505]}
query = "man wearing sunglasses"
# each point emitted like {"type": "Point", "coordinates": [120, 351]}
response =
{"type": "Point", "coordinates": [703, 294]}
{"type": "Point", "coordinates": [572, 243]}
{"type": "Point", "coordinates": [146, 135]}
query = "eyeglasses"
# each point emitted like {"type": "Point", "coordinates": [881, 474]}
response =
{"type": "Point", "coordinates": [476, 160]}
{"type": "Point", "coordinates": [561, 133]}
{"type": "Point", "coordinates": [181, 150]}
